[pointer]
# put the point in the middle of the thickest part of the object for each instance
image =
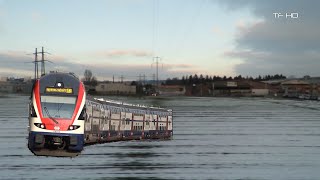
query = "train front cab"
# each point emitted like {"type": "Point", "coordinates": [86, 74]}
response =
{"type": "Point", "coordinates": [56, 118]}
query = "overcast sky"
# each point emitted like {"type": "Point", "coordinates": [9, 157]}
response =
{"type": "Point", "coordinates": [121, 37]}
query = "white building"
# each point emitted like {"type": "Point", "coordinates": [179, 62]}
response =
{"type": "Point", "coordinates": [115, 88]}
{"type": "Point", "coordinates": [3, 79]}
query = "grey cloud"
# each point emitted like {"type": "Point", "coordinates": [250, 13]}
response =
{"type": "Point", "coordinates": [16, 61]}
{"type": "Point", "coordinates": [281, 37]}
{"type": "Point", "coordinates": [287, 43]}
{"type": "Point", "coordinates": [123, 53]}
{"type": "Point", "coordinates": [265, 9]}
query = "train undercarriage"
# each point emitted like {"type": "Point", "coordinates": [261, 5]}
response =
{"type": "Point", "coordinates": [55, 145]}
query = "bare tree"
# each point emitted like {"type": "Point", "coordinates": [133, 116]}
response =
{"type": "Point", "coordinates": [87, 75]}
{"type": "Point", "coordinates": [89, 79]}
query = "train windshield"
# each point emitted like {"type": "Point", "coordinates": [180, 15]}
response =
{"type": "Point", "coordinates": [57, 106]}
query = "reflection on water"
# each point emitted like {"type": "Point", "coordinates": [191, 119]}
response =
{"type": "Point", "coordinates": [136, 155]}
{"type": "Point", "coordinates": [214, 138]}
{"type": "Point", "coordinates": [136, 178]}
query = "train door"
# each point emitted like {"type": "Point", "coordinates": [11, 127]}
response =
{"type": "Point", "coordinates": [170, 123]}
{"type": "Point", "coordinates": [162, 123]}
{"type": "Point", "coordinates": [122, 122]}
{"type": "Point", "coordinates": [147, 122]}
{"type": "Point", "coordinates": [95, 130]}
{"type": "Point", "coordinates": [153, 122]}
{"type": "Point", "coordinates": [115, 120]}
{"type": "Point", "coordinates": [106, 121]}
{"type": "Point", "coordinates": [88, 121]}
{"type": "Point", "coordinates": [128, 124]}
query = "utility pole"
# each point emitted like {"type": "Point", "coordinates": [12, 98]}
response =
{"type": "Point", "coordinates": [36, 61]}
{"type": "Point", "coordinates": [43, 70]}
{"type": "Point", "coordinates": [36, 64]}
{"type": "Point", "coordinates": [139, 78]}
{"type": "Point", "coordinates": [121, 78]}
{"type": "Point", "coordinates": [156, 61]}
{"type": "Point", "coordinates": [153, 78]}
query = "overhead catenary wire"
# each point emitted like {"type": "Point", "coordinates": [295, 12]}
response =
{"type": "Point", "coordinates": [155, 35]}
{"type": "Point", "coordinates": [181, 32]}
{"type": "Point", "coordinates": [43, 69]}
{"type": "Point", "coordinates": [187, 33]}
{"type": "Point", "coordinates": [155, 27]}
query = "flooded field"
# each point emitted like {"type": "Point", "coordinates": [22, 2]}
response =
{"type": "Point", "coordinates": [214, 138]}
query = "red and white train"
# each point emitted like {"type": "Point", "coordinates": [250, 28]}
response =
{"type": "Point", "coordinates": [62, 120]}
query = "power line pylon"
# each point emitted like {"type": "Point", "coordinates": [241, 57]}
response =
{"type": "Point", "coordinates": [43, 70]}
{"type": "Point", "coordinates": [36, 61]}
{"type": "Point", "coordinates": [121, 78]}
{"type": "Point", "coordinates": [156, 61]}
{"type": "Point", "coordinates": [36, 64]}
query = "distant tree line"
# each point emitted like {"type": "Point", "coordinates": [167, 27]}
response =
{"type": "Point", "coordinates": [200, 79]}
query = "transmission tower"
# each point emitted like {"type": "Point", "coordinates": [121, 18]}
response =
{"type": "Point", "coordinates": [156, 61]}
{"type": "Point", "coordinates": [121, 78]}
{"type": "Point", "coordinates": [36, 64]}
{"type": "Point", "coordinates": [43, 70]}
{"type": "Point", "coordinates": [36, 61]}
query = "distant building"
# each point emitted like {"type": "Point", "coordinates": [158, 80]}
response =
{"type": "Point", "coordinates": [231, 88]}
{"type": "Point", "coordinates": [3, 79]}
{"type": "Point", "coordinates": [16, 85]}
{"type": "Point", "coordinates": [6, 87]}
{"type": "Point", "coordinates": [295, 87]}
{"type": "Point", "coordinates": [259, 92]}
{"type": "Point", "coordinates": [172, 90]}
{"type": "Point", "coordinates": [27, 79]}
{"type": "Point", "coordinates": [258, 88]}
{"type": "Point", "coordinates": [109, 88]}
{"type": "Point", "coordinates": [314, 83]}
{"type": "Point", "coordinates": [275, 87]}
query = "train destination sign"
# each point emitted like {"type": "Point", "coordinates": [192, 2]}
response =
{"type": "Point", "coordinates": [59, 90]}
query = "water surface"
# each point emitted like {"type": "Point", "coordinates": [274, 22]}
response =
{"type": "Point", "coordinates": [214, 138]}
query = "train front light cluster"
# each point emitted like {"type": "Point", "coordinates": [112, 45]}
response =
{"type": "Point", "coordinates": [73, 127]}
{"type": "Point", "coordinates": [40, 125]}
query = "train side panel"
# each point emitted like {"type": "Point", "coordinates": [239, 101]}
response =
{"type": "Point", "coordinates": [107, 123]}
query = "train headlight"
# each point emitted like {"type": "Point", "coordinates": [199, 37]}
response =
{"type": "Point", "coordinates": [73, 127]}
{"type": "Point", "coordinates": [40, 125]}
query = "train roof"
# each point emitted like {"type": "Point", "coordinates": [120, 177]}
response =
{"type": "Point", "coordinates": [128, 105]}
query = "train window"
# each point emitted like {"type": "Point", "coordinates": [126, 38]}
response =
{"type": "Point", "coordinates": [137, 128]}
{"type": "Point", "coordinates": [32, 111]}
{"type": "Point", "coordinates": [83, 114]}
{"type": "Point", "coordinates": [58, 106]}
{"type": "Point", "coordinates": [112, 128]}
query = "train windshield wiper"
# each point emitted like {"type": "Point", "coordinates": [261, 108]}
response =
{"type": "Point", "coordinates": [54, 120]}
